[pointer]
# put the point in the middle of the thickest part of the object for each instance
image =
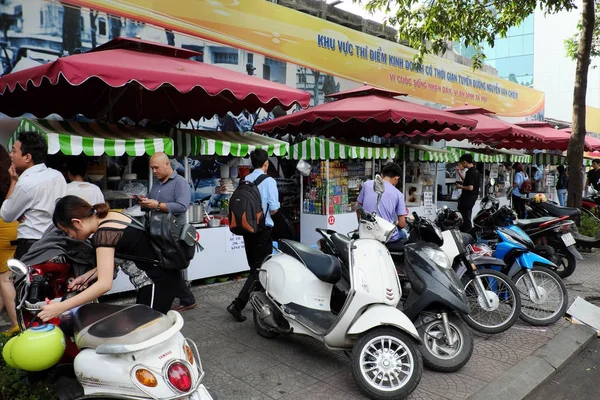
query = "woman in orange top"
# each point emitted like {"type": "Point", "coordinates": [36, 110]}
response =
{"type": "Point", "coordinates": [8, 233]}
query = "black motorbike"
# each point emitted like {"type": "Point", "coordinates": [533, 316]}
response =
{"type": "Point", "coordinates": [433, 297]}
{"type": "Point", "coordinates": [553, 237]}
{"type": "Point", "coordinates": [550, 209]}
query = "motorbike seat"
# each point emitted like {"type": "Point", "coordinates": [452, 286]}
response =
{"type": "Point", "coordinates": [467, 238]}
{"type": "Point", "coordinates": [95, 324]}
{"type": "Point", "coordinates": [325, 267]}
{"type": "Point", "coordinates": [342, 243]}
{"type": "Point", "coordinates": [557, 210]}
{"type": "Point", "coordinates": [533, 223]}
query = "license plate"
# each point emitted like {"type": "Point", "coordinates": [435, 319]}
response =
{"type": "Point", "coordinates": [568, 239]}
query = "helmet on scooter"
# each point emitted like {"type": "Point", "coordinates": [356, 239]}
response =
{"type": "Point", "coordinates": [449, 219]}
{"type": "Point", "coordinates": [539, 198]}
{"type": "Point", "coordinates": [37, 348]}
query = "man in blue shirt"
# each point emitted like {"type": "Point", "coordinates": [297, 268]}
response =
{"type": "Point", "coordinates": [257, 245]}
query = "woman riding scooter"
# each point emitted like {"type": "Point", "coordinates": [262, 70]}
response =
{"type": "Point", "coordinates": [112, 235]}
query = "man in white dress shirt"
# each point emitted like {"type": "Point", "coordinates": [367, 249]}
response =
{"type": "Point", "coordinates": [34, 189]}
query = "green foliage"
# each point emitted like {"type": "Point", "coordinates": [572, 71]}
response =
{"type": "Point", "coordinates": [590, 226]}
{"type": "Point", "coordinates": [429, 25]}
{"type": "Point", "coordinates": [13, 385]}
{"type": "Point", "coordinates": [572, 44]}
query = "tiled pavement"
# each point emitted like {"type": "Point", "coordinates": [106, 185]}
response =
{"type": "Point", "coordinates": [240, 364]}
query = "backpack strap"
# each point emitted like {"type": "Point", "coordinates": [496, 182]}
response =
{"type": "Point", "coordinates": [260, 179]}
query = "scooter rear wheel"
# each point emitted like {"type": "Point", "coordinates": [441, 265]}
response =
{"type": "Point", "coordinates": [506, 306]}
{"type": "Point", "coordinates": [438, 355]}
{"type": "Point", "coordinates": [263, 330]}
{"type": "Point", "coordinates": [386, 363]}
{"type": "Point", "coordinates": [554, 296]}
{"type": "Point", "coordinates": [566, 264]}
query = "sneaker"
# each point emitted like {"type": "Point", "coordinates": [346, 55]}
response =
{"type": "Point", "coordinates": [235, 312]}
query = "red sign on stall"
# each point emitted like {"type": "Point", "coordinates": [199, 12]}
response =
{"type": "Point", "coordinates": [331, 220]}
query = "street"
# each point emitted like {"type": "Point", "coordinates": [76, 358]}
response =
{"type": "Point", "coordinates": [576, 381]}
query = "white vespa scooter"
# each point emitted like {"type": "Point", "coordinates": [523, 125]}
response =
{"type": "Point", "coordinates": [306, 292]}
{"type": "Point", "coordinates": [127, 352]}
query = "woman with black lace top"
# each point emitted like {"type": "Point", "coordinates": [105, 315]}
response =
{"type": "Point", "coordinates": [111, 235]}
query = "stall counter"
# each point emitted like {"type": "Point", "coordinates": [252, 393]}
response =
{"type": "Point", "coordinates": [223, 254]}
{"type": "Point", "coordinates": [342, 223]}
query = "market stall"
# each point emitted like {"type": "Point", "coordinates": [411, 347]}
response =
{"type": "Point", "coordinates": [223, 252]}
{"type": "Point", "coordinates": [420, 176]}
{"type": "Point", "coordinates": [112, 149]}
{"type": "Point", "coordinates": [329, 194]}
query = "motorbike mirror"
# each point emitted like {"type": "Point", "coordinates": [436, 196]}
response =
{"type": "Point", "coordinates": [378, 185]}
{"type": "Point", "coordinates": [17, 267]}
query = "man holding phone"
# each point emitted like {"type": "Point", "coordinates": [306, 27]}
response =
{"type": "Point", "coordinates": [170, 194]}
{"type": "Point", "coordinates": [470, 191]}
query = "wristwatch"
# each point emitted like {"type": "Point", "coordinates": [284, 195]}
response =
{"type": "Point", "coordinates": [158, 207]}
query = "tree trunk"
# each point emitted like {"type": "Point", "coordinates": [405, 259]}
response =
{"type": "Point", "coordinates": [577, 142]}
{"type": "Point", "coordinates": [93, 17]}
{"type": "Point", "coordinates": [115, 26]}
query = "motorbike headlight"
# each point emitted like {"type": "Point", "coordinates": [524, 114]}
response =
{"type": "Point", "coordinates": [437, 256]}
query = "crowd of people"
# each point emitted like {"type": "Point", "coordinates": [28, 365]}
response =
{"type": "Point", "coordinates": [35, 198]}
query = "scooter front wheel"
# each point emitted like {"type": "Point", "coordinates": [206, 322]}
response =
{"type": "Point", "coordinates": [548, 303]}
{"type": "Point", "coordinates": [495, 305]}
{"type": "Point", "coordinates": [438, 354]}
{"type": "Point", "coordinates": [386, 364]}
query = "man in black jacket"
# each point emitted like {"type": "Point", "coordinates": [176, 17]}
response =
{"type": "Point", "coordinates": [470, 191]}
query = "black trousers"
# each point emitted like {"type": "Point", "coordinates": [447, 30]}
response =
{"type": "Point", "coordinates": [160, 295]}
{"type": "Point", "coordinates": [23, 246]}
{"type": "Point", "coordinates": [465, 207]}
{"type": "Point", "coordinates": [184, 294]}
{"type": "Point", "coordinates": [519, 206]}
{"type": "Point", "coordinates": [258, 246]}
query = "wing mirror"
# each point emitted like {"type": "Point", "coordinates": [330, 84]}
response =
{"type": "Point", "coordinates": [17, 267]}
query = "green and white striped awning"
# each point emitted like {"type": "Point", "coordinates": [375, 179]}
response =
{"type": "Point", "coordinates": [549, 159]}
{"type": "Point", "coordinates": [327, 149]}
{"type": "Point", "coordinates": [426, 153]}
{"type": "Point", "coordinates": [74, 138]}
{"type": "Point", "coordinates": [238, 144]}
{"type": "Point", "coordinates": [514, 157]}
{"type": "Point", "coordinates": [479, 157]}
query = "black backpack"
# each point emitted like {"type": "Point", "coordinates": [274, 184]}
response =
{"type": "Point", "coordinates": [174, 245]}
{"type": "Point", "coordinates": [245, 208]}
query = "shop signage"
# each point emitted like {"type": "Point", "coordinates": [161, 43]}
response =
{"type": "Point", "coordinates": [233, 242]}
{"type": "Point", "coordinates": [282, 33]}
{"type": "Point", "coordinates": [331, 220]}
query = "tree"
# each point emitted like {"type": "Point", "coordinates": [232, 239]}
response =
{"type": "Point", "coordinates": [115, 26]}
{"type": "Point", "coordinates": [71, 33]}
{"type": "Point", "coordinates": [93, 29]}
{"type": "Point", "coordinates": [329, 87]}
{"type": "Point", "coordinates": [429, 25]}
{"type": "Point", "coordinates": [316, 75]}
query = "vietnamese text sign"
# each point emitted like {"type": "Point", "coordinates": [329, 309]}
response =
{"type": "Point", "coordinates": [286, 34]}
{"type": "Point", "coordinates": [233, 242]}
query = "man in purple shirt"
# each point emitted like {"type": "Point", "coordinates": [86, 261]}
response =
{"type": "Point", "coordinates": [391, 207]}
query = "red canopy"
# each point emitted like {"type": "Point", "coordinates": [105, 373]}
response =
{"type": "Point", "coordinates": [489, 130]}
{"type": "Point", "coordinates": [139, 79]}
{"type": "Point", "coordinates": [591, 143]}
{"type": "Point", "coordinates": [365, 112]}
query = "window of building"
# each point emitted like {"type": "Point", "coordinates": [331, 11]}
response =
{"type": "Point", "coordinates": [225, 57]}
{"type": "Point", "coordinates": [102, 27]}
{"type": "Point", "coordinates": [41, 17]}
{"type": "Point", "coordinates": [250, 58]}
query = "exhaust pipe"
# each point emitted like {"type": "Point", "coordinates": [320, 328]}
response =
{"type": "Point", "coordinates": [262, 305]}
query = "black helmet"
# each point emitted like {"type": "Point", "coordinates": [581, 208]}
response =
{"type": "Point", "coordinates": [448, 219]}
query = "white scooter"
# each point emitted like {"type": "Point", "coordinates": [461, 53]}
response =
{"type": "Point", "coordinates": [306, 292]}
{"type": "Point", "coordinates": [127, 352]}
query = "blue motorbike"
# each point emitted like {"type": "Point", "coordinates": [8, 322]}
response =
{"type": "Point", "coordinates": [544, 297]}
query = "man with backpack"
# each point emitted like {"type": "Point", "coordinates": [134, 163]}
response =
{"type": "Point", "coordinates": [250, 210]}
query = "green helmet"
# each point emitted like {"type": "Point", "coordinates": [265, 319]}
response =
{"type": "Point", "coordinates": [37, 349]}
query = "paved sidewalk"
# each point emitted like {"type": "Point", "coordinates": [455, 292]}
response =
{"type": "Point", "coordinates": [240, 364]}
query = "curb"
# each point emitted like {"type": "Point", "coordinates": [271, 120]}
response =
{"type": "Point", "coordinates": [523, 378]}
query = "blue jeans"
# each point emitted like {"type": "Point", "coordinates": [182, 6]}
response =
{"type": "Point", "coordinates": [562, 196]}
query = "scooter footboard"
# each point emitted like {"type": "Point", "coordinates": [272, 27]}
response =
{"type": "Point", "coordinates": [378, 315]}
